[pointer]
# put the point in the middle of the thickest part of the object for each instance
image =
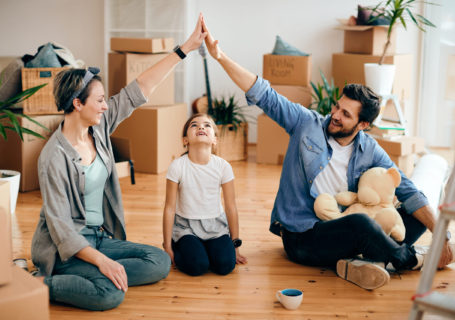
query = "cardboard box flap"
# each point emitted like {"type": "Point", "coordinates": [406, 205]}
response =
{"type": "Point", "coordinates": [344, 26]}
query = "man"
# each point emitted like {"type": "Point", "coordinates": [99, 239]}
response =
{"type": "Point", "coordinates": [328, 154]}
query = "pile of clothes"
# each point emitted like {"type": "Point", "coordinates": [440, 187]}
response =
{"type": "Point", "coordinates": [50, 55]}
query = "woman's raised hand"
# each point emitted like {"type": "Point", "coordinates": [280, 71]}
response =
{"type": "Point", "coordinates": [196, 38]}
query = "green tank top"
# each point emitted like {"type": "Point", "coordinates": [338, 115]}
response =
{"type": "Point", "coordinates": [95, 179]}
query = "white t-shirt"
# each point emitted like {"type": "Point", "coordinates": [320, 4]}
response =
{"type": "Point", "coordinates": [199, 195]}
{"type": "Point", "coordinates": [333, 178]}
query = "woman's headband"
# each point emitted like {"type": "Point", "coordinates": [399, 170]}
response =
{"type": "Point", "coordinates": [89, 74]}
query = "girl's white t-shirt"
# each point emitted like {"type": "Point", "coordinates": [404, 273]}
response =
{"type": "Point", "coordinates": [333, 178]}
{"type": "Point", "coordinates": [199, 193]}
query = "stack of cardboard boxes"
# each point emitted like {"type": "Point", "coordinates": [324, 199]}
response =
{"type": "Point", "coordinates": [21, 295]}
{"type": "Point", "coordinates": [23, 155]}
{"type": "Point", "coordinates": [290, 76]}
{"type": "Point", "coordinates": [403, 151]}
{"type": "Point", "coordinates": [364, 44]}
{"type": "Point", "coordinates": [153, 130]}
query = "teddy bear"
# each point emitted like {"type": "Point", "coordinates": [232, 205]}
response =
{"type": "Point", "coordinates": [375, 198]}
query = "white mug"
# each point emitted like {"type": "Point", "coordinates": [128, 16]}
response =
{"type": "Point", "coordinates": [290, 298]}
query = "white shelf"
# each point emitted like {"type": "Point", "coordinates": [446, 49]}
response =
{"type": "Point", "coordinates": [147, 18]}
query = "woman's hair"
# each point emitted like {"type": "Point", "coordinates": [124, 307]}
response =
{"type": "Point", "coordinates": [67, 83]}
{"type": "Point", "coordinates": [194, 116]}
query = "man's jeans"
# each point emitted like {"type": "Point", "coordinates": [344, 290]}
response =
{"type": "Point", "coordinates": [81, 284]}
{"type": "Point", "coordinates": [349, 236]}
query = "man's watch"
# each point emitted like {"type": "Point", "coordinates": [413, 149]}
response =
{"type": "Point", "coordinates": [236, 242]}
{"type": "Point", "coordinates": [448, 235]}
{"type": "Point", "coordinates": [179, 52]}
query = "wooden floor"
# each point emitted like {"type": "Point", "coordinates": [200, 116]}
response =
{"type": "Point", "coordinates": [249, 291]}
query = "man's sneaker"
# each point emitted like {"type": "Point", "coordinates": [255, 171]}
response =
{"type": "Point", "coordinates": [366, 274]}
{"type": "Point", "coordinates": [421, 253]}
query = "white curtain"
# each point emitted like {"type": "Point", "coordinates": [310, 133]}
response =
{"type": "Point", "coordinates": [437, 96]}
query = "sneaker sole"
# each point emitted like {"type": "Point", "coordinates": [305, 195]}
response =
{"type": "Point", "coordinates": [366, 275]}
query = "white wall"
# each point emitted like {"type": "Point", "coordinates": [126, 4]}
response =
{"type": "Point", "coordinates": [246, 30]}
{"type": "Point", "coordinates": [25, 25]}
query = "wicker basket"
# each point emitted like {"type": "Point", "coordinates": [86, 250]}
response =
{"type": "Point", "coordinates": [42, 102]}
{"type": "Point", "coordinates": [232, 145]}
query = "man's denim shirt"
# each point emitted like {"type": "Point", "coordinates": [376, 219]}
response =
{"type": "Point", "coordinates": [307, 155]}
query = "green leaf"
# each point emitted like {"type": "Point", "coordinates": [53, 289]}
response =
{"type": "Point", "coordinates": [33, 133]}
{"type": "Point", "coordinates": [13, 119]}
{"type": "Point", "coordinates": [20, 96]}
{"type": "Point", "coordinates": [3, 132]}
{"type": "Point", "coordinates": [324, 95]}
{"type": "Point", "coordinates": [425, 21]}
{"type": "Point", "coordinates": [34, 121]}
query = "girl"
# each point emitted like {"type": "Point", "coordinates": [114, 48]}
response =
{"type": "Point", "coordinates": [197, 235]}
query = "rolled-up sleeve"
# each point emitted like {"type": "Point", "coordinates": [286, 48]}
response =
{"type": "Point", "coordinates": [415, 202]}
{"type": "Point", "coordinates": [257, 91]}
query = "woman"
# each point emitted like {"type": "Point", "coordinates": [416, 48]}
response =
{"type": "Point", "coordinates": [79, 245]}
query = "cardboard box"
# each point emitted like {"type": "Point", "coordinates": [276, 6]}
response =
{"type": "Point", "coordinates": [122, 153]}
{"type": "Point", "coordinates": [406, 163]}
{"type": "Point", "coordinates": [155, 136]}
{"type": "Point", "coordinates": [144, 45]}
{"type": "Point", "coordinates": [348, 68]}
{"type": "Point", "coordinates": [296, 94]}
{"type": "Point", "coordinates": [6, 249]}
{"type": "Point", "coordinates": [23, 156]}
{"type": "Point", "coordinates": [125, 67]}
{"type": "Point", "coordinates": [272, 141]}
{"type": "Point", "coordinates": [367, 39]}
{"type": "Point", "coordinates": [402, 145]}
{"type": "Point", "coordinates": [24, 298]}
{"type": "Point", "coordinates": [288, 70]}
{"type": "Point", "coordinates": [42, 102]}
{"type": "Point", "coordinates": [123, 169]}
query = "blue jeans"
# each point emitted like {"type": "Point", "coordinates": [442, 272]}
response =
{"type": "Point", "coordinates": [195, 256]}
{"type": "Point", "coordinates": [81, 284]}
{"type": "Point", "coordinates": [349, 236]}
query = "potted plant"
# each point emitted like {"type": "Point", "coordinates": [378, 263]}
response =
{"type": "Point", "coordinates": [232, 128]}
{"type": "Point", "coordinates": [379, 76]}
{"type": "Point", "coordinates": [9, 120]}
{"type": "Point", "coordinates": [325, 96]}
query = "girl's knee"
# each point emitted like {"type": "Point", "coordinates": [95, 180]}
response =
{"type": "Point", "coordinates": [223, 266]}
{"type": "Point", "coordinates": [195, 267]}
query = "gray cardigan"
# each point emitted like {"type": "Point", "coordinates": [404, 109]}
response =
{"type": "Point", "coordinates": [62, 182]}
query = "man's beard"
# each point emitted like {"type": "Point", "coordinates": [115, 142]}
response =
{"type": "Point", "coordinates": [343, 133]}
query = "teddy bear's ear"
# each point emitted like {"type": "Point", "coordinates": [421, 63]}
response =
{"type": "Point", "coordinates": [395, 174]}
